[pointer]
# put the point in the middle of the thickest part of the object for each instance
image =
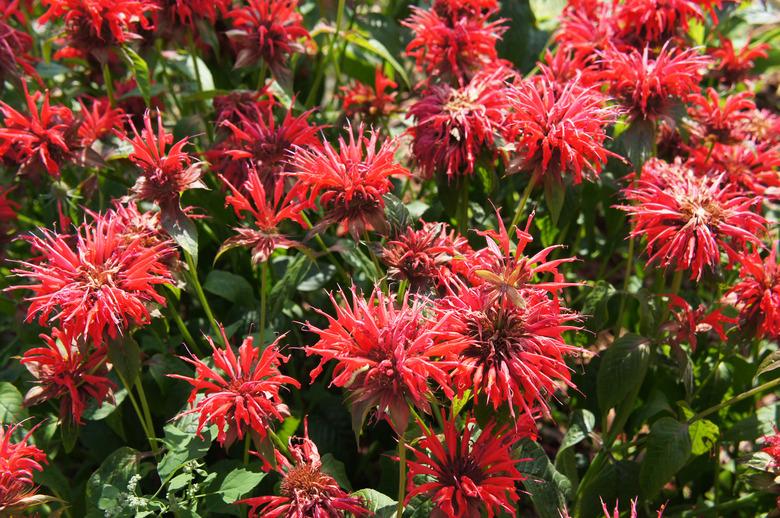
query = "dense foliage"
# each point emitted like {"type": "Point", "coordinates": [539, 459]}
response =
{"type": "Point", "coordinates": [290, 258]}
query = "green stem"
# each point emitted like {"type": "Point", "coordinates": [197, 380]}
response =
{"type": "Point", "coordinates": [147, 415]}
{"type": "Point", "coordinates": [108, 84]}
{"type": "Point", "coordinates": [137, 409]}
{"type": "Point", "coordinates": [626, 280]}
{"type": "Point", "coordinates": [185, 333]}
{"type": "Point", "coordinates": [261, 76]}
{"type": "Point", "coordinates": [193, 275]}
{"type": "Point", "coordinates": [332, 258]}
{"type": "Point", "coordinates": [399, 512]}
{"type": "Point", "coordinates": [462, 214]}
{"type": "Point", "coordinates": [731, 505]}
{"type": "Point", "coordinates": [263, 298]}
{"type": "Point", "coordinates": [320, 72]}
{"type": "Point", "coordinates": [279, 443]}
{"type": "Point", "coordinates": [523, 200]}
{"type": "Point", "coordinates": [674, 289]}
{"type": "Point", "coordinates": [736, 399]}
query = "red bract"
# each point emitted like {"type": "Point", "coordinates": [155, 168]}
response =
{"type": "Point", "coordinates": [690, 220]}
{"type": "Point", "coordinates": [243, 395]}
{"type": "Point", "coordinates": [716, 121]}
{"type": "Point", "coordinates": [689, 322]}
{"type": "Point", "coordinates": [514, 349]}
{"type": "Point", "coordinates": [647, 85]}
{"type": "Point", "coordinates": [96, 285]}
{"type": "Point", "coordinates": [306, 491]}
{"type": "Point", "coordinates": [98, 121]}
{"type": "Point", "coordinates": [772, 448]}
{"type": "Point", "coordinates": [757, 294]}
{"type": "Point", "coordinates": [562, 129]}
{"type": "Point", "coordinates": [734, 66]}
{"type": "Point", "coordinates": [38, 142]}
{"type": "Point", "coordinates": [466, 476]}
{"type": "Point", "coordinates": [350, 182]}
{"type": "Point", "coordinates": [267, 31]}
{"type": "Point", "coordinates": [18, 461]}
{"type": "Point", "coordinates": [8, 208]}
{"type": "Point", "coordinates": [370, 101]}
{"type": "Point", "coordinates": [67, 370]}
{"type": "Point", "coordinates": [453, 126]}
{"type": "Point", "coordinates": [258, 143]}
{"type": "Point", "coordinates": [267, 214]}
{"type": "Point", "coordinates": [95, 26]}
{"type": "Point", "coordinates": [453, 49]}
{"type": "Point", "coordinates": [165, 174]}
{"type": "Point", "coordinates": [504, 270]}
{"type": "Point", "coordinates": [386, 356]}
{"type": "Point", "coordinates": [427, 258]}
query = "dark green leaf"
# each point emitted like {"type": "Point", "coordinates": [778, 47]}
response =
{"type": "Point", "coordinates": [69, 433]}
{"type": "Point", "coordinates": [182, 230]}
{"type": "Point", "coordinates": [622, 370]}
{"type": "Point", "coordinates": [95, 412]}
{"type": "Point", "coordinates": [548, 488]}
{"type": "Point", "coordinates": [11, 408]}
{"type": "Point", "coordinates": [125, 356]}
{"type": "Point", "coordinates": [229, 286]}
{"type": "Point", "coordinates": [183, 444]}
{"type": "Point", "coordinates": [617, 481]}
{"type": "Point", "coordinates": [396, 213]}
{"type": "Point", "coordinates": [335, 468]}
{"type": "Point", "coordinates": [106, 485]}
{"type": "Point", "coordinates": [554, 196]}
{"type": "Point", "coordinates": [668, 449]}
{"type": "Point", "coordinates": [638, 142]}
{"type": "Point", "coordinates": [769, 363]}
{"type": "Point", "coordinates": [284, 289]}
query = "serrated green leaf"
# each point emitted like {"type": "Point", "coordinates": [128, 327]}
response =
{"type": "Point", "coordinates": [284, 289]}
{"type": "Point", "coordinates": [140, 72]}
{"type": "Point", "coordinates": [335, 468]}
{"type": "Point", "coordinates": [114, 473]}
{"type": "Point", "coordinates": [548, 488]}
{"type": "Point", "coordinates": [238, 483]}
{"type": "Point", "coordinates": [668, 449]}
{"type": "Point", "coordinates": [397, 214]}
{"type": "Point", "coordinates": [379, 503]}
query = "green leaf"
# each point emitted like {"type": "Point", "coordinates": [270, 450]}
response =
{"type": "Point", "coordinates": [617, 481]}
{"type": "Point", "coordinates": [548, 488]}
{"type": "Point", "coordinates": [769, 364]}
{"type": "Point", "coordinates": [69, 433]}
{"type": "Point", "coordinates": [284, 289]}
{"type": "Point", "coordinates": [182, 230]}
{"type": "Point", "coordinates": [125, 356]}
{"type": "Point", "coordinates": [140, 72]}
{"type": "Point", "coordinates": [580, 426]}
{"type": "Point", "coordinates": [335, 468]}
{"type": "Point", "coordinates": [379, 503]}
{"type": "Point", "coordinates": [12, 410]}
{"type": "Point", "coordinates": [638, 141]}
{"type": "Point", "coordinates": [377, 48]}
{"type": "Point", "coordinates": [397, 214]}
{"type": "Point", "coordinates": [110, 480]}
{"type": "Point", "coordinates": [622, 369]}
{"type": "Point", "coordinates": [238, 483]}
{"type": "Point", "coordinates": [183, 444]}
{"type": "Point", "coordinates": [704, 435]}
{"type": "Point", "coordinates": [668, 449]}
{"type": "Point", "coordinates": [316, 279]}
{"type": "Point", "coordinates": [229, 286]}
{"type": "Point", "coordinates": [596, 305]}
{"type": "Point", "coordinates": [554, 196]}
{"type": "Point", "coordinates": [93, 412]}
{"type": "Point", "coordinates": [206, 80]}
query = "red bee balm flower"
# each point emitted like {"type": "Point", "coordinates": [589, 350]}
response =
{"type": "Point", "coordinates": [757, 293]}
{"type": "Point", "coordinates": [466, 477]}
{"type": "Point", "coordinates": [267, 31]}
{"type": "Point", "coordinates": [651, 22]}
{"type": "Point", "coordinates": [561, 129]}
{"type": "Point", "coordinates": [714, 121]}
{"type": "Point", "coordinates": [448, 48]}
{"type": "Point", "coordinates": [648, 85]}
{"type": "Point", "coordinates": [15, 47]}
{"type": "Point", "coordinates": [688, 322]}
{"type": "Point", "coordinates": [735, 66]}
{"type": "Point", "coordinates": [244, 396]}
{"type": "Point", "coordinates": [772, 448]}
{"type": "Point", "coordinates": [350, 182]}
{"type": "Point", "coordinates": [98, 121]}
{"type": "Point", "coordinates": [165, 175]}
{"type": "Point", "coordinates": [385, 356]}
{"type": "Point", "coordinates": [94, 26]}
{"type": "Point", "coordinates": [427, 257]}
{"type": "Point", "coordinates": [268, 214]}
{"type": "Point", "coordinates": [101, 283]}
{"type": "Point", "coordinates": [513, 353]}
{"type": "Point", "coordinates": [258, 143]}
{"type": "Point", "coordinates": [454, 125]}
{"type": "Point", "coordinates": [38, 142]}
{"type": "Point", "coordinates": [65, 369]}
{"type": "Point", "coordinates": [689, 220]}
{"type": "Point", "coordinates": [305, 489]}
{"type": "Point", "coordinates": [370, 101]}
{"type": "Point", "coordinates": [17, 463]}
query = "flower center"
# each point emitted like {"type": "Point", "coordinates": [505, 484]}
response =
{"type": "Point", "coordinates": [303, 480]}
